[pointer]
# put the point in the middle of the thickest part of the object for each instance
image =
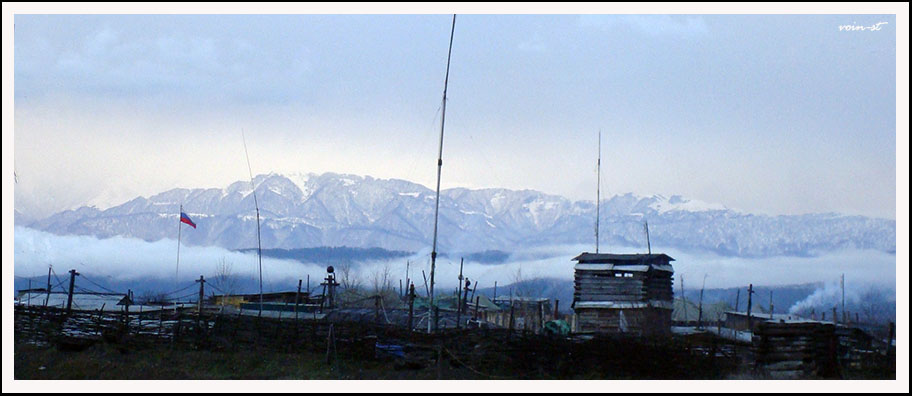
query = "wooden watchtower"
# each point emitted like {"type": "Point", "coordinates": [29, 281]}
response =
{"type": "Point", "coordinates": [623, 293]}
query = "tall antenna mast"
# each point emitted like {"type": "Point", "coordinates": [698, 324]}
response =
{"type": "Point", "coordinates": [257, 206]}
{"type": "Point", "coordinates": [598, 190]}
{"type": "Point", "coordinates": [439, 167]}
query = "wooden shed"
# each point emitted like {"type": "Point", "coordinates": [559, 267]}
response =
{"type": "Point", "coordinates": [623, 293]}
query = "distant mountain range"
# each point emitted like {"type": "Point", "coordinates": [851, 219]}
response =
{"type": "Point", "coordinates": [309, 211]}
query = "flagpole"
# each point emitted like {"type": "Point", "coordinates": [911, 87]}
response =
{"type": "Point", "coordinates": [177, 269]}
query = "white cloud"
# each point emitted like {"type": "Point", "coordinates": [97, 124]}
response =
{"type": "Point", "coordinates": [129, 259]}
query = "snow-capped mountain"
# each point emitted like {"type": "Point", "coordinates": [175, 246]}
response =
{"type": "Point", "coordinates": [307, 210]}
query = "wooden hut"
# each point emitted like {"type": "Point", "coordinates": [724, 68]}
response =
{"type": "Point", "coordinates": [623, 293]}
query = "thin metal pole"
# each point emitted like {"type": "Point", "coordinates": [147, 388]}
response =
{"type": "Point", "coordinates": [683, 299]}
{"type": "Point", "coordinates": [700, 314]}
{"type": "Point", "coordinates": [257, 206]}
{"type": "Point", "coordinates": [738, 300]}
{"type": "Point", "coordinates": [598, 190]}
{"type": "Point", "coordinates": [425, 283]}
{"type": "Point", "coordinates": [439, 168]}
{"type": "Point", "coordinates": [648, 245]}
{"type": "Point", "coordinates": [259, 251]}
{"type": "Point", "coordinates": [177, 268]}
{"type": "Point", "coordinates": [842, 283]}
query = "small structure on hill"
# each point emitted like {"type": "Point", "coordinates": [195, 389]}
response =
{"type": "Point", "coordinates": [623, 293]}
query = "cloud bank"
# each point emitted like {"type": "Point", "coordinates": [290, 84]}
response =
{"type": "Point", "coordinates": [124, 259]}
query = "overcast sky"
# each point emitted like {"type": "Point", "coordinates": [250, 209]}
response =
{"type": "Point", "coordinates": [777, 114]}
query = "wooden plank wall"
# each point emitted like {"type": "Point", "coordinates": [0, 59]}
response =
{"type": "Point", "coordinates": [796, 350]}
{"type": "Point", "coordinates": [642, 321]}
{"type": "Point", "coordinates": [605, 286]}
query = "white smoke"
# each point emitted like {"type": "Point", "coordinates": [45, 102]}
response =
{"type": "Point", "coordinates": [866, 302]}
{"type": "Point", "coordinates": [825, 298]}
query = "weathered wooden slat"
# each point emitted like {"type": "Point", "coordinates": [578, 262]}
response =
{"type": "Point", "coordinates": [594, 293]}
{"type": "Point", "coordinates": [612, 287]}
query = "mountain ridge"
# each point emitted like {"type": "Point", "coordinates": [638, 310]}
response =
{"type": "Point", "coordinates": [330, 209]}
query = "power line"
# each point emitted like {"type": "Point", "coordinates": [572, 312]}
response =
{"type": "Point", "coordinates": [59, 281]}
{"type": "Point", "coordinates": [216, 288]}
{"type": "Point", "coordinates": [180, 290]}
{"type": "Point", "coordinates": [97, 293]}
{"type": "Point", "coordinates": [102, 287]}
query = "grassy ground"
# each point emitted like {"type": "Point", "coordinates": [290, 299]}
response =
{"type": "Point", "coordinates": [103, 361]}
{"type": "Point", "coordinates": [244, 348]}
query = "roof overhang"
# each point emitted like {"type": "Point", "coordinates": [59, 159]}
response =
{"type": "Point", "coordinates": [611, 258]}
{"type": "Point", "coordinates": [623, 267]}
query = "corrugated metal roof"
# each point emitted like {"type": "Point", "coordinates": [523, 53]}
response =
{"type": "Point", "coordinates": [622, 259]}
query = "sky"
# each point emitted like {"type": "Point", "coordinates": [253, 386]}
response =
{"type": "Point", "coordinates": [774, 114]}
{"type": "Point", "coordinates": [769, 114]}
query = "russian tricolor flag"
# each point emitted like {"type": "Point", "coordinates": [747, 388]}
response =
{"type": "Point", "coordinates": [186, 220]}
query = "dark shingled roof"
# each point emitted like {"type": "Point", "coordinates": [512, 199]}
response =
{"type": "Point", "coordinates": [608, 258]}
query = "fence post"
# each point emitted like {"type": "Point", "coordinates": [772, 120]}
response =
{"type": "Point", "coordinates": [750, 320]}
{"type": "Point", "coordinates": [199, 303]}
{"type": "Point", "coordinates": [297, 298]}
{"type": "Point", "coordinates": [329, 339]}
{"type": "Point", "coordinates": [48, 297]}
{"type": "Point", "coordinates": [411, 300]}
{"type": "Point", "coordinates": [462, 302]}
{"type": "Point", "coordinates": [69, 306]}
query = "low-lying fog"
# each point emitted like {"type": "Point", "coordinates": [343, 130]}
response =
{"type": "Point", "coordinates": [119, 260]}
